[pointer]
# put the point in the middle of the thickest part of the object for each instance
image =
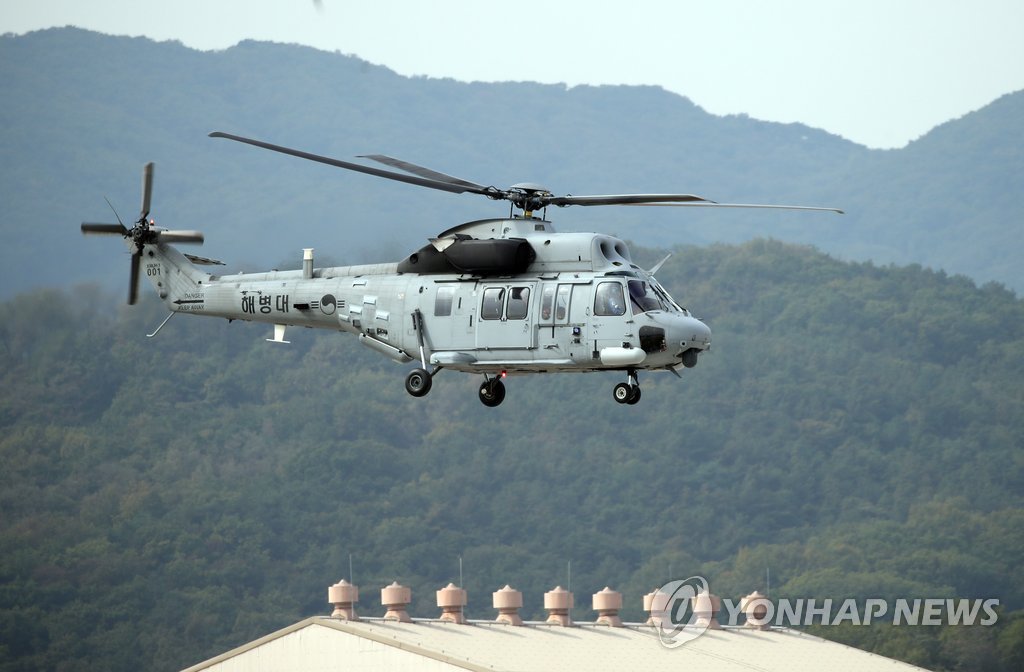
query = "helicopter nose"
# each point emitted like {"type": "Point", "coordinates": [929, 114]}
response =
{"type": "Point", "coordinates": [685, 337]}
{"type": "Point", "coordinates": [693, 334]}
{"type": "Point", "coordinates": [690, 337]}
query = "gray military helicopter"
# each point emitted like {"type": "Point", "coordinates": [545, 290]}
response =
{"type": "Point", "coordinates": [493, 297]}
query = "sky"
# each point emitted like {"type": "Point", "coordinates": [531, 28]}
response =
{"type": "Point", "coordinates": [878, 72]}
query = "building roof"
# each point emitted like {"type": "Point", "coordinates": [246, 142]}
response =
{"type": "Point", "coordinates": [325, 643]}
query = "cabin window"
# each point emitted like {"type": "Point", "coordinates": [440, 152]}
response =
{"type": "Point", "coordinates": [547, 301]}
{"type": "Point", "coordinates": [562, 303]}
{"type": "Point", "coordinates": [494, 298]}
{"type": "Point", "coordinates": [608, 300]}
{"type": "Point", "coordinates": [443, 301]}
{"type": "Point", "coordinates": [518, 303]}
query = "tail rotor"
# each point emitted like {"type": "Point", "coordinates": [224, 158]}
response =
{"type": "Point", "coordinates": [143, 232]}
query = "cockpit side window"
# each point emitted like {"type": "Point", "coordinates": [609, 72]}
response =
{"type": "Point", "coordinates": [608, 299]}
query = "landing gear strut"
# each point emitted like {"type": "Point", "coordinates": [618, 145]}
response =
{"type": "Point", "coordinates": [492, 391]}
{"type": "Point", "coordinates": [628, 392]}
{"type": "Point", "coordinates": [418, 382]}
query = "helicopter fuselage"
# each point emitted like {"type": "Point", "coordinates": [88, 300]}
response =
{"type": "Point", "coordinates": [493, 296]}
{"type": "Point", "coordinates": [579, 304]}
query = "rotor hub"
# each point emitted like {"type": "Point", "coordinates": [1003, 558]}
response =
{"type": "Point", "coordinates": [528, 196]}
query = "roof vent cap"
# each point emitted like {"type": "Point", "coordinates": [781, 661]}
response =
{"type": "Point", "coordinates": [396, 598]}
{"type": "Point", "coordinates": [508, 601]}
{"type": "Point", "coordinates": [452, 599]}
{"type": "Point", "coordinates": [343, 595]}
{"type": "Point", "coordinates": [705, 608]}
{"type": "Point", "coordinates": [558, 602]}
{"type": "Point", "coordinates": [656, 604]}
{"type": "Point", "coordinates": [607, 604]}
{"type": "Point", "coordinates": [755, 608]}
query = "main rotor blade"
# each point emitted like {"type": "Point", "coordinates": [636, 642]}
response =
{"type": "Point", "coordinates": [712, 204]}
{"type": "Point", "coordinates": [377, 172]}
{"type": "Point", "coordinates": [147, 190]}
{"type": "Point", "coordinates": [133, 281]}
{"type": "Point", "coordinates": [428, 173]}
{"type": "Point", "coordinates": [91, 227]}
{"type": "Point", "coordinates": [525, 199]}
{"type": "Point", "coordinates": [627, 199]}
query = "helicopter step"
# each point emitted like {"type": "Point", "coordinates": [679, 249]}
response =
{"type": "Point", "coordinates": [385, 349]}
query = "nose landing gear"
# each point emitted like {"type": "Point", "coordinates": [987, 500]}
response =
{"type": "Point", "coordinates": [628, 392]}
{"type": "Point", "coordinates": [492, 391]}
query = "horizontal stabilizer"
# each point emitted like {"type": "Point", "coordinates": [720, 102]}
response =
{"type": "Point", "coordinates": [203, 261]}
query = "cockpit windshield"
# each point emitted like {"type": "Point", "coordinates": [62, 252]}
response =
{"type": "Point", "coordinates": [646, 294]}
{"type": "Point", "coordinates": [643, 297]}
{"type": "Point", "coordinates": [666, 297]}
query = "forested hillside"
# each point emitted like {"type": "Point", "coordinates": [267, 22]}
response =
{"type": "Point", "coordinates": [856, 430]}
{"type": "Point", "coordinates": [83, 112]}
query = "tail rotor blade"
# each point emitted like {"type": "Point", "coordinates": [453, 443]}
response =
{"type": "Point", "coordinates": [133, 282]}
{"type": "Point", "coordinates": [181, 237]}
{"type": "Point", "coordinates": [91, 227]}
{"type": "Point", "coordinates": [114, 210]}
{"type": "Point", "coordinates": [147, 189]}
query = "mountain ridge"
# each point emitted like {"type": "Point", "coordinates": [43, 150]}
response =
{"type": "Point", "coordinates": [88, 110]}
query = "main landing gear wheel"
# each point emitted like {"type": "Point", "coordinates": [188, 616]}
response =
{"type": "Point", "coordinates": [625, 393]}
{"type": "Point", "coordinates": [628, 392]}
{"type": "Point", "coordinates": [418, 382]}
{"type": "Point", "coordinates": [492, 392]}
